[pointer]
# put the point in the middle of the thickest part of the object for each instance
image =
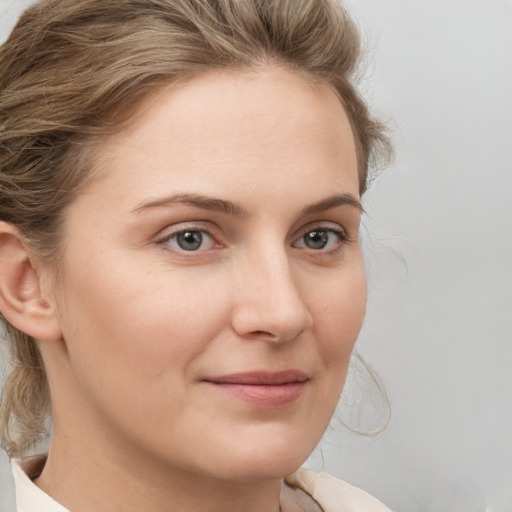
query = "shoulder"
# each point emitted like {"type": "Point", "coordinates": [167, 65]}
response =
{"type": "Point", "coordinates": [334, 495]}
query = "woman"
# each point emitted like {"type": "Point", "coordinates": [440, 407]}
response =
{"type": "Point", "coordinates": [182, 281]}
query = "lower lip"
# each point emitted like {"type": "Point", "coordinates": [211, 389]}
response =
{"type": "Point", "coordinates": [264, 396]}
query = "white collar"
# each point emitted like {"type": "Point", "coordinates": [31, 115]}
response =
{"type": "Point", "coordinates": [29, 497]}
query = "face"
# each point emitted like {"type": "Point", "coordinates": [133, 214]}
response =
{"type": "Point", "coordinates": [212, 284]}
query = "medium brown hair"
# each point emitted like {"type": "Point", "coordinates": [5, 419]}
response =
{"type": "Point", "coordinates": [73, 71]}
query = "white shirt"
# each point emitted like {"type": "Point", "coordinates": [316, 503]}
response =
{"type": "Point", "coordinates": [331, 494]}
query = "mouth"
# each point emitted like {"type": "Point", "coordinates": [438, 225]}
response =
{"type": "Point", "coordinates": [262, 388]}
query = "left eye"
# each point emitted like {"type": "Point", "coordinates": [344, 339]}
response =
{"type": "Point", "coordinates": [190, 240]}
{"type": "Point", "coordinates": [321, 239]}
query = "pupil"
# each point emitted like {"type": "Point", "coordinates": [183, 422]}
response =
{"type": "Point", "coordinates": [190, 240]}
{"type": "Point", "coordinates": [317, 239]}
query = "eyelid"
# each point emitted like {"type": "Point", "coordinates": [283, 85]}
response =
{"type": "Point", "coordinates": [168, 233]}
{"type": "Point", "coordinates": [327, 226]}
{"type": "Point", "coordinates": [322, 225]}
{"type": "Point", "coordinates": [212, 231]}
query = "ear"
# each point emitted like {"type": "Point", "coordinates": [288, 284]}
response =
{"type": "Point", "coordinates": [21, 301]}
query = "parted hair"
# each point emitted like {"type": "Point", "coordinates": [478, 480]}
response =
{"type": "Point", "coordinates": [74, 71]}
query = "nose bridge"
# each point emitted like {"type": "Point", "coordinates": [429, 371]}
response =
{"type": "Point", "coordinates": [269, 302]}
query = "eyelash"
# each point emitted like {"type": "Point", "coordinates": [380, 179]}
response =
{"type": "Point", "coordinates": [341, 235]}
{"type": "Point", "coordinates": [166, 241]}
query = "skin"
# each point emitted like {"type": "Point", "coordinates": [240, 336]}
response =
{"type": "Point", "coordinates": [142, 322]}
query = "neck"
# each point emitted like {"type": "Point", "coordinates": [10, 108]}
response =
{"type": "Point", "coordinates": [87, 480]}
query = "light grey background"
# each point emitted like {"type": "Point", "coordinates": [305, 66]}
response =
{"type": "Point", "coordinates": [439, 255]}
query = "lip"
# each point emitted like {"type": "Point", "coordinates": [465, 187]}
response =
{"type": "Point", "coordinates": [262, 388]}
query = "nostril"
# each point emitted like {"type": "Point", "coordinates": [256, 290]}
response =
{"type": "Point", "coordinates": [262, 333]}
{"type": "Point", "coordinates": [273, 337]}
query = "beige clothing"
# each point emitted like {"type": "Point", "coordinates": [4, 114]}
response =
{"type": "Point", "coordinates": [331, 494]}
{"type": "Point", "coordinates": [335, 495]}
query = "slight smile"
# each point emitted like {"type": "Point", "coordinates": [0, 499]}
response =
{"type": "Point", "coordinates": [262, 388]}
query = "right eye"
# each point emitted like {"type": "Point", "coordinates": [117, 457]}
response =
{"type": "Point", "coordinates": [190, 240]}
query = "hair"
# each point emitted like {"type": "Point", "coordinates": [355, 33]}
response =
{"type": "Point", "coordinates": [74, 71]}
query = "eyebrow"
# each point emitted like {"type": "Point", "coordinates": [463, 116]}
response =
{"type": "Point", "coordinates": [199, 201]}
{"type": "Point", "coordinates": [332, 202]}
{"type": "Point", "coordinates": [235, 209]}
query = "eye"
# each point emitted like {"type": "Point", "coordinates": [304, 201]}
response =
{"type": "Point", "coordinates": [322, 239]}
{"type": "Point", "coordinates": [190, 240]}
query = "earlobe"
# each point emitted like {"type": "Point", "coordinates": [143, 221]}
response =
{"type": "Point", "coordinates": [21, 300]}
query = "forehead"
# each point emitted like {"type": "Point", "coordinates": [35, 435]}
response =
{"type": "Point", "coordinates": [221, 126]}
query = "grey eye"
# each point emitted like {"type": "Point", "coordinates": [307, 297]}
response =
{"type": "Point", "coordinates": [188, 240]}
{"type": "Point", "coordinates": [317, 239]}
{"type": "Point", "coordinates": [324, 239]}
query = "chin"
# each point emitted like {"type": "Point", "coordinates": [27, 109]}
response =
{"type": "Point", "coordinates": [269, 458]}
{"type": "Point", "coordinates": [258, 470]}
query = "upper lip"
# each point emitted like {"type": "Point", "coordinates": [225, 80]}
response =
{"type": "Point", "coordinates": [261, 378]}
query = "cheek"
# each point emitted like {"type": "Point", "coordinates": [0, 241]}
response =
{"type": "Point", "coordinates": [132, 330]}
{"type": "Point", "coordinates": [342, 307]}
{"type": "Point", "coordinates": [339, 314]}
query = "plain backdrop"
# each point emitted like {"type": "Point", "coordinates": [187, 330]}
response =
{"type": "Point", "coordinates": [439, 256]}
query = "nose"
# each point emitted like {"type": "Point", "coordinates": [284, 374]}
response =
{"type": "Point", "coordinates": [268, 304]}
